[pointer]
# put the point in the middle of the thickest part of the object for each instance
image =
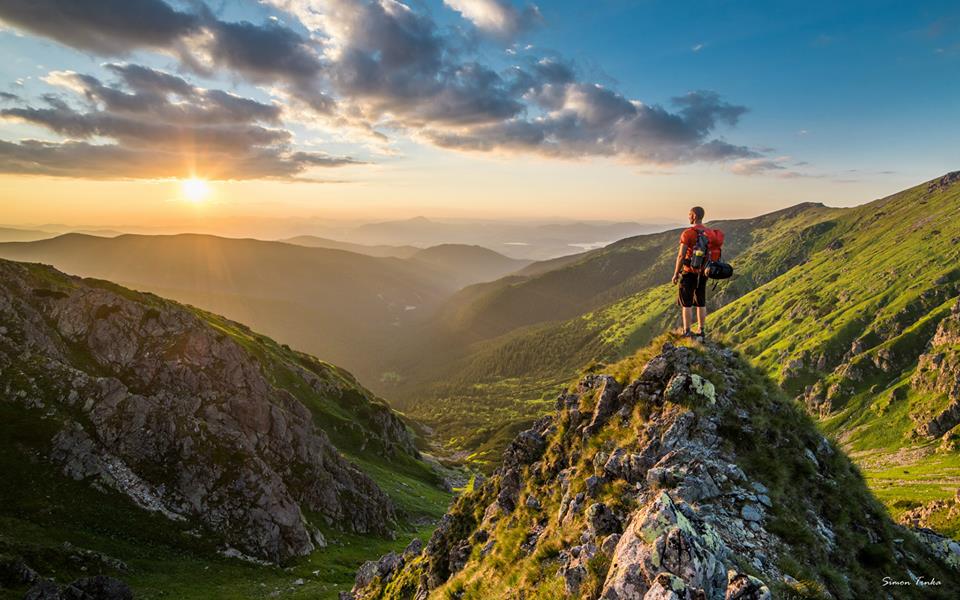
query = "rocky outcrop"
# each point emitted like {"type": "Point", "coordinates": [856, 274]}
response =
{"type": "Point", "coordinates": [190, 420]}
{"type": "Point", "coordinates": [943, 183]}
{"type": "Point", "coordinates": [938, 373]}
{"type": "Point", "coordinates": [696, 483]}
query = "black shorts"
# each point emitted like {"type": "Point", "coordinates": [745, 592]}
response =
{"type": "Point", "coordinates": [693, 290]}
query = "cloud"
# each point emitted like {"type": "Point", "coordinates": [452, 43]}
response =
{"type": "Point", "coordinates": [778, 167]}
{"type": "Point", "coordinates": [105, 27]}
{"type": "Point", "coordinates": [697, 47]}
{"type": "Point", "coordinates": [589, 120]}
{"type": "Point", "coordinates": [367, 65]}
{"type": "Point", "coordinates": [497, 17]}
{"type": "Point", "coordinates": [203, 43]}
{"type": "Point", "coordinates": [189, 130]}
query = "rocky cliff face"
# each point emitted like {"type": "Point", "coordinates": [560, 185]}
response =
{"type": "Point", "coordinates": [190, 417]}
{"type": "Point", "coordinates": [691, 477]}
{"type": "Point", "coordinates": [938, 373]}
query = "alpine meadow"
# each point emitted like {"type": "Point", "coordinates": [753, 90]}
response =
{"type": "Point", "coordinates": [479, 300]}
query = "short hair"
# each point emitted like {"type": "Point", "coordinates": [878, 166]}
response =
{"type": "Point", "coordinates": [697, 210]}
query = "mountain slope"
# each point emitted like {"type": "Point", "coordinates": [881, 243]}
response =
{"type": "Point", "coordinates": [175, 415]}
{"type": "Point", "coordinates": [688, 475]}
{"type": "Point", "coordinates": [11, 234]}
{"type": "Point", "coordinates": [472, 381]}
{"type": "Point", "coordinates": [465, 264]}
{"type": "Point", "coordinates": [600, 277]}
{"type": "Point", "coordinates": [336, 304]}
{"type": "Point", "coordinates": [312, 241]}
{"type": "Point", "coordinates": [865, 333]}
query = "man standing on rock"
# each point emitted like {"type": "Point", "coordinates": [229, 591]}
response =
{"type": "Point", "coordinates": [698, 244]}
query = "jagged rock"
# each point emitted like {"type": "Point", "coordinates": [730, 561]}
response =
{"type": "Point", "coordinates": [593, 485]}
{"type": "Point", "coordinates": [609, 544]}
{"type": "Point", "coordinates": [45, 589]}
{"type": "Point", "coordinates": [601, 520]}
{"type": "Point", "coordinates": [532, 503]}
{"type": "Point", "coordinates": [459, 556]}
{"type": "Point", "coordinates": [607, 404]}
{"type": "Point", "coordinates": [685, 385]}
{"type": "Point", "coordinates": [413, 549]}
{"type": "Point", "coordinates": [943, 183]}
{"type": "Point", "coordinates": [750, 513]}
{"type": "Point", "coordinates": [528, 446]}
{"type": "Point", "coordinates": [741, 586]}
{"type": "Point", "coordinates": [366, 574]}
{"type": "Point", "coordinates": [660, 538]}
{"type": "Point", "coordinates": [657, 369]}
{"type": "Point", "coordinates": [510, 484]}
{"type": "Point", "coordinates": [946, 549]}
{"type": "Point", "coordinates": [182, 419]}
{"type": "Point", "coordinates": [660, 477]}
{"type": "Point", "coordinates": [625, 465]}
{"type": "Point", "coordinates": [667, 586]}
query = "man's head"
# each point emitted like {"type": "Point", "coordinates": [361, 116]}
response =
{"type": "Point", "coordinates": [696, 215]}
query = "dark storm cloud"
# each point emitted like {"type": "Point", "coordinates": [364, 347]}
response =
{"type": "Point", "coordinates": [588, 120]}
{"type": "Point", "coordinates": [107, 27]}
{"type": "Point", "coordinates": [188, 131]}
{"type": "Point", "coordinates": [367, 64]}
{"type": "Point", "coordinates": [203, 43]}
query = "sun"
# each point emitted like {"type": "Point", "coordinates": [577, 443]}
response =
{"type": "Point", "coordinates": [194, 189]}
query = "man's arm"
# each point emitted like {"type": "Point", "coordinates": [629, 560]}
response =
{"type": "Point", "coordinates": [679, 265]}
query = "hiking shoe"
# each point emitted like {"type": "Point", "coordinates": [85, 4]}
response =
{"type": "Point", "coordinates": [701, 335]}
{"type": "Point", "coordinates": [686, 334]}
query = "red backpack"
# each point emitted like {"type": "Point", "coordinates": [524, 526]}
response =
{"type": "Point", "coordinates": [707, 248]}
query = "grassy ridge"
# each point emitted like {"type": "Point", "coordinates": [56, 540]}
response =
{"type": "Point", "coordinates": [511, 377]}
{"type": "Point", "coordinates": [821, 296]}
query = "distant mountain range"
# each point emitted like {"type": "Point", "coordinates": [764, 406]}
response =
{"type": "Point", "coordinates": [536, 241]}
{"type": "Point", "coordinates": [398, 238]}
{"type": "Point", "coordinates": [341, 305]}
{"type": "Point", "coordinates": [312, 241]}
{"type": "Point", "coordinates": [10, 234]}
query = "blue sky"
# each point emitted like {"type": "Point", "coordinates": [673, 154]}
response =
{"type": "Point", "coordinates": [831, 101]}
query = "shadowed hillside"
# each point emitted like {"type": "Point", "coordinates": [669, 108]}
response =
{"type": "Point", "coordinates": [137, 429]}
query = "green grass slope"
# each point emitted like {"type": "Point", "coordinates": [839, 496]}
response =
{"type": "Point", "coordinates": [472, 389]}
{"type": "Point", "coordinates": [847, 329]}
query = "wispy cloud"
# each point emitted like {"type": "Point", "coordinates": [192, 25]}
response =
{"type": "Point", "coordinates": [782, 167]}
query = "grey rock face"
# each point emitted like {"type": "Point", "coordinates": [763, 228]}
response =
{"type": "Point", "coordinates": [161, 406]}
{"type": "Point", "coordinates": [601, 520]}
